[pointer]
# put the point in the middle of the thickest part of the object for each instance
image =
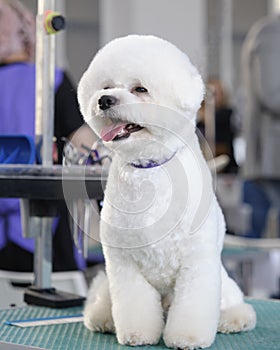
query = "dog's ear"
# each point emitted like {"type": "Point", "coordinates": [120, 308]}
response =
{"type": "Point", "coordinates": [190, 93]}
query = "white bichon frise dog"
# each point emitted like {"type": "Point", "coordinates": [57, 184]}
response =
{"type": "Point", "coordinates": [161, 226]}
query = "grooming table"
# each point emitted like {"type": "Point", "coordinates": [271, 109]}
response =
{"type": "Point", "coordinates": [39, 183]}
{"type": "Point", "coordinates": [41, 188]}
{"type": "Point", "coordinates": [266, 336]}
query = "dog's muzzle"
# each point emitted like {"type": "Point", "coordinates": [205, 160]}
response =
{"type": "Point", "coordinates": [107, 101]}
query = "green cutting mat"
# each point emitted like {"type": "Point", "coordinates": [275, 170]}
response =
{"type": "Point", "coordinates": [266, 336]}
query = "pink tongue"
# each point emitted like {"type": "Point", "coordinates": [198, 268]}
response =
{"type": "Point", "coordinates": [108, 133]}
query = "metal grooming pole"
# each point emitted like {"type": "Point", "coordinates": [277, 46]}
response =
{"type": "Point", "coordinates": [45, 72]}
{"type": "Point", "coordinates": [47, 23]}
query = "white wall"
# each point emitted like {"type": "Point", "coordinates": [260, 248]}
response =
{"type": "Point", "coordinates": [244, 14]}
{"type": "Point", "coordinates": [92, 23]}
{"type": "Point", "coordinates": [82, 34]}
{"type": "Point", "coordinates": [183, 22]}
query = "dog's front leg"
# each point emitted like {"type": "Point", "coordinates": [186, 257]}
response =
{"type": "Point", "coordinates": [194, 313]}
{"type": "Point", "coordinates": [136, 306]}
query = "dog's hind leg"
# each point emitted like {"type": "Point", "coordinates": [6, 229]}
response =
{"type": "Point", "coordinates": [236, 316]}
{"type": "Point", "coordinates": [98, 308]}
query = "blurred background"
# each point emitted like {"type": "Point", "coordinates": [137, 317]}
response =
{"type": "Point", "coordinates": [211, 32]}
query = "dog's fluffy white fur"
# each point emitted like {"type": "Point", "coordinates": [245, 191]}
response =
{"type": "Point", "coordinates": [161, 226]}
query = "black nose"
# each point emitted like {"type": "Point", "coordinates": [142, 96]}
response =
{"type": "Point", "coordinates": [107, 101]}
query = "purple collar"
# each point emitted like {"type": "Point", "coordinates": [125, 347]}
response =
{"type": "Point", "coordinates": [151, 163]}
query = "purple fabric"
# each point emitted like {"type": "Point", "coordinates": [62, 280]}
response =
{"type": "Point", "coordinates": [17, 93]}
{"type": "Point", "coordinates": [17, 114]}
{"type": "Point", "coordinates": [81, 263]}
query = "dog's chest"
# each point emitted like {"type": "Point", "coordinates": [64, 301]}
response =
{"type": "Point", "coordinates": [137, 198]}
{"type": "Point", "coordinates": [146, 187]}
{"type": "Point", "coordinates": [159, 264]}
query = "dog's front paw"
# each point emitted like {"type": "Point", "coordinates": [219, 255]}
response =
{"type": "Point", "coordinates": [187, 342]}
{"type": "Point", "coordinates": [188, 339]}
{"type": "Point", "coordinates": [138, 338]}
{"type": "Point", "coordinates": [98, 319]}
{"type": "Point", "coordinates": [140, 331]}
{"type": "Point", "coordinates": [238, 318]}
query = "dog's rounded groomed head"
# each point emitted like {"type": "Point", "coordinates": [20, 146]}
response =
{"type": "Point", "coordinates": [140, 95]}
{"type": "Point", "coordinates": [133, 87]}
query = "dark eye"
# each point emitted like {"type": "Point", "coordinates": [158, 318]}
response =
{"type": "Point", "coordinates": [107, 87]}
{"type": "Point", "coordinates": [140, 89]}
